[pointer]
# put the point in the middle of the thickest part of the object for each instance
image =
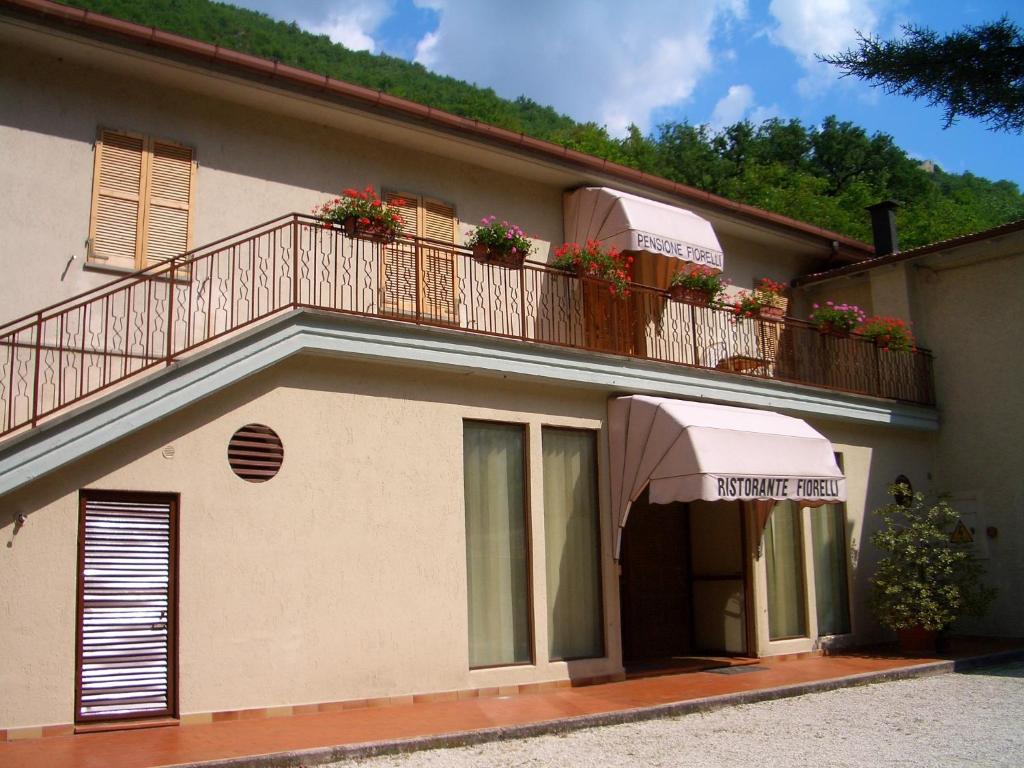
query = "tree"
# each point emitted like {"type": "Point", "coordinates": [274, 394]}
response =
{"type": "Point", "coordinates": [976, 72]}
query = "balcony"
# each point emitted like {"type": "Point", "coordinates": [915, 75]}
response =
{"type": "Point", "coordinates": [70, 351]}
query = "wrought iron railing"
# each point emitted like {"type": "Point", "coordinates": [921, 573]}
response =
{"type": "Point", "coordinates": [82, 346]}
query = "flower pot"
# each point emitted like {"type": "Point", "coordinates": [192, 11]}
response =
{"type": "Point", "coordinates": [827, 329]}
{"type": "Point", "coordinates": [771, 313]}
{"type": "Point", "coordinates": [689, 295]}
{"type": "Point", "coordinates": [917, 641]}
{"type": "Point", "coordinates": [487, 255]}
{"type": "Point", "coordinates": [371, 231]}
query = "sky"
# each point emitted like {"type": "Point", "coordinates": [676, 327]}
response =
{"type": "Point", "coordinates": [648, 62]}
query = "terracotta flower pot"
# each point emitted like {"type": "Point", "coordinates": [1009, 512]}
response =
{"type": "Point", "coordinates": [689, 295]}
{"type": "Point", "coordinates": [827, 329]}
{"type": "Point", "coordinates": [917, 641]}
{"type": "Point", "coordinates": [371, 231]}
{"type": "Point", "coordinates": [486, 255]}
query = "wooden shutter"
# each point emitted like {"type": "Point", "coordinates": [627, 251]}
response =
{"type": "Point", "coordinates": [437, 263]}
{"type": "Point", "coordinates": [142, 200]}
{"type": "Point", "coordinates": [434, 286]}
{"type": "Point", "coordinates": [168, 201]}
{"type": "Point", "coordinates": [399, 283]}
{"type": "Point", "coordinates": [117, 212]}
{"type": "Point", "coordinates": [126, 604]}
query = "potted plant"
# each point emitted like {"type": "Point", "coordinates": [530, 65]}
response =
{"type": "Point", "coordinates": [592, 261]}
{"type": "Point", "coordinates": [501, 243]}
{"type": "Point", "coordinates": [763, 302]}
{"type": "Point", "coordinates": [363, 214]}
{"type": "Point", "coordinates": [769, 293]}
{"type": "Point", "coordinates": [696, 284]}
{"type": "Point", "coordinates": [924, 581]}
{"type": "Point", "coordinates": [836, 319]}
{"type": "Point", "coordinates": [889, 333]}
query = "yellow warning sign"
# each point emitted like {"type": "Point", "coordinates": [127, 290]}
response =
{"type": "Point", "coordinates": [961, 534]}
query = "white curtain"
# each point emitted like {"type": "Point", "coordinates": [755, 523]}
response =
{"type": "Point", "coordinates": [828, 533]}
{"type": "Point", "coordinates": [784, 564]}
{"type": "Point", "coordinates": [496, 562]}
{"type": "Point", "coordinates": [572, 546]}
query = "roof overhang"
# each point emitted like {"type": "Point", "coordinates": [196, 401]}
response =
{"type": "Point", "coordinates": [632, 223]}
{"type": "Point", "coordinates": [687, 451]}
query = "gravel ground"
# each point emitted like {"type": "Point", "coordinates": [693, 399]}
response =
{"type": "Point", "coordinates": [974, 719]}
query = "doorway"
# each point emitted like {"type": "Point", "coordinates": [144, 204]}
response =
{"type": "Point", "coordinates": [683, 584]}
{"type": "Point", "coordinates": [126, 626]}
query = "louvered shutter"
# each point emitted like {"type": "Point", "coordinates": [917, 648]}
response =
{"type": "Point", "coordinates": [118, 180]}
{"type": "Point", "coordinates": [126, 605]}
{"type": "Point", "coordinates": [438, 263]}
{"type": "Point", "coordinates": [168, 201]}
{"type": "Point", "coordinates": [771, 333]}
{"type": "Point", "coordinates": [399, 283]}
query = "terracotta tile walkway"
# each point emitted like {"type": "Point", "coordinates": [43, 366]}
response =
{"type": "Point", "coordinates": [224, 740]}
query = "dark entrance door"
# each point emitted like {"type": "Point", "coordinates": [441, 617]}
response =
{"type": "Point", "coordinates": [655, 583]}
{"type": "Point", "coordinates": [683, 582]}
{"type": "Point", "coordinates": [126, 659]}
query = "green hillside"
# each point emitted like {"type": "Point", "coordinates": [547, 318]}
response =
{"type": "Point", "coordinates": [824, 174]}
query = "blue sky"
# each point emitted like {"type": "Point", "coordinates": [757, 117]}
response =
{"type": "Point", "coordinates": [705, 61]}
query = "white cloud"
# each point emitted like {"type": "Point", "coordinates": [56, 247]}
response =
{"type": "Point", "coordinates": [759, 114]}
{"type": "Point", "coordinates": [807, 27]}
{"type": "Point", "coordinates": [425, 50]}
{"type": "Point", "coordinates": [597, 60]}
{"type": "Point", "coordinates": [352, 24]}
{"type": "Point", "coordinates": [732, 107]}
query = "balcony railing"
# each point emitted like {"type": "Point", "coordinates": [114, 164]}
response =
{"type": "Point", "coordinates": [72, 350]}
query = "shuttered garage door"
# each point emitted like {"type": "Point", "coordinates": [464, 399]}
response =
{"type": "Point", "coordinates": [126, 605]}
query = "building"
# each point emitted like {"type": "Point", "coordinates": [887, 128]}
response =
{"type": "Point", "coordinates": [460, 489]}
{"type": "Point", "coordinates": [960, 294]}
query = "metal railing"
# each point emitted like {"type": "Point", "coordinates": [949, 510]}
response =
{"type": "Point", "coordinates": [77, 348]}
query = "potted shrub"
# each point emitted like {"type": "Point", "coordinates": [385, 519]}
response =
{"type": "Point", "coordinates": [696, 284]}
{"type": "Point", "coordinates": [924, 582]}
{"type": "Point", "coordinates": [501, 243]}
{"type": "Point", "coordinates": [888, 333]}
{"type": "Point", "coordinates": [592, 261]}
{"type": "Point", "coordinates": [836, 319]}
{"type": "Point", "coordinates": [363, 214]}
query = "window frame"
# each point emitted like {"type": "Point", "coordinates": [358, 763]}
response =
{"type": "Point", "coordinates": [599, 542]}
{"type": "Point", "coordinates": [528, 545]}
{"type": "Point", "coordinates": [95, 260]}
{"type": "Point", "coordinates": [422, 304]}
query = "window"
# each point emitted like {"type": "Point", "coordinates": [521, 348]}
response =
{"type": "Point", "coordinates": [572, 545]}
{"type": "Point", "coordinates": [421, 278]}
{"type": "Point", "coordinates": [143, 189]}
{"type": "Point", "coordinates": [787, 614]}
{"type": "Point", "coordinates": [832, 598]}
{"type": "Point", "coordinates": [497, 564]}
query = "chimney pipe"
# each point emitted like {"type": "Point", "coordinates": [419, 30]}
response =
{"type": "Point", "coordinates": [883, 227]}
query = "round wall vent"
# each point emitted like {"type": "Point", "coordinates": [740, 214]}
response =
{"type": "Point", "coordinates": [255, 453]}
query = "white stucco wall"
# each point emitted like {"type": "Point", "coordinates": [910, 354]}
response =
{"type": "Point", "coordinates": [344, 576]}
{"type": "Point", "coordinates": [967, 314]}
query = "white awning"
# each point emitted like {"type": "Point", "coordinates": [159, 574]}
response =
{"type": "Point", "coordinates": [687, 451]}
{"type": "Point", "coordinates": [632, 223]}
